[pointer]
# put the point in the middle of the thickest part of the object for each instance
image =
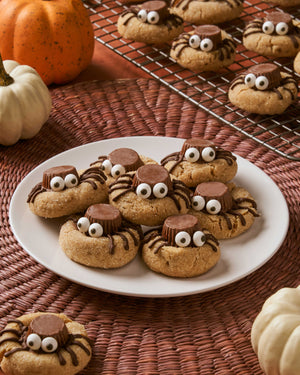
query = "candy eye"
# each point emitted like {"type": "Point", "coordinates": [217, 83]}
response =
{"type": "Point", "coordinates": [206, 45]}
{"type": "Point", "coordinates": [282, 28]}
{"type": "Point", "coordinates": [213, 207]}
{"type": "Point", "coordinates": [117, 170]}
{"type": "Point", "coordinates": [250, 80]}
{"type": "Point", "coordinates": [198, 203]}
{"type": "Point", "coordinates": [71, 180]}
{"type": "Point", "coordinates": [194, 41]}
{"type": "Point", "coordinates": [106, 166]}
{"type": "Point", "coordinates": [160, 190]}
{"type": "Point", "coordinates": [182, 239]}
{"type": "Point", "coordinates": [208, 154]}
{"type": "Point", "coordinates": [261, 83]}
{"type": "Point", "coordinates": [83, 224]}
{"type": "Point", "coordinates": [268, 27]}
{"type": "Point", "coordinates": [143, 190]}
{"type": "Point", "coordinates": [199, 238]}
{"type": "Point", "coordinates": [153, 17]}
{"type": "Point", "coordinates": [95, 230]}
{"type": "Point", "coordinates": [142, 15]}
{"type": "Point", "coordinates": [49, 344]}
{"type": "Point", "coordinates": [192, 155]}
{"type": "Point", "coordinates": [34, 341]}
{"type": "Point", "coordinates": [57, 183]}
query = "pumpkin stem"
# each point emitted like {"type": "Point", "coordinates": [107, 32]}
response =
{"type": "Point", "coordinates": [5, 78]}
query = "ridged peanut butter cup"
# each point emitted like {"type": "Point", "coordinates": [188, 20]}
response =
{"type": "Point", "coordinates": [108, 216]}
{"type": "Point", "coordinates": [277, 17]}
{"type": "Point", "coordinates": [127, 157]}
{"type": "Point", "coordinates": [152, 174]}
{"type": "Point", "coordinates": [268, 70]}
{"type": "Point", "coordinates": [60, 171]}
{"type": "Point", "coordinates": [211, 32]}
{"type": "Point", "coordinates": [158, 6]}
{"type": "Point", "coordinates": [215, 190]}
{"type": "Point", "coordinates": [48, 325]}
{"type": "Point", "coordinates": [197, 143]}
{"type": "Point", "coordinates": [177, 223]}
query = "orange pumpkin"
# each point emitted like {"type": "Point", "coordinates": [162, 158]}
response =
{"type": "Point", "coordinates": [55, 37]}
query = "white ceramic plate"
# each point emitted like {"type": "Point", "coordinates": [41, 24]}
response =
{"type": "Point", "coordinates": [239, 256]}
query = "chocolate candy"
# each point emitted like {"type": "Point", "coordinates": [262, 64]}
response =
{"type": "Point", "coordinates": [127, 157]}
{"type": "Point", "coordinates": [211, 32]}
{"type": "Point", "coordinates": [108, 216]}
{"type": "Point", "coordinates": [61, 171]}
{"type": "Point", "coordinates": [48, 325]}
{"type": "Point", "coordinates": [178, 223]}
{"type": "Point", "coordinates": [215, 191]}
{"type": "Point", "coordinates": [157, 6]}
{"type": "Point", "coordinates": [152, 174]}
{"type": "Point", "coordinates": [278, 17]}
{"type": "Point", "coordinates": [268, 70]}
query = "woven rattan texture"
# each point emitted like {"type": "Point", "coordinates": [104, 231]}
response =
{"type": "Point", "coordinates": [203, 334]}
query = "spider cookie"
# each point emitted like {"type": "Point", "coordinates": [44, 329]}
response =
{"type": "Point", "coordinates": [206, 48]}
{"type": "Point", "coordinates": [100, 238]}
{"type": "Point", "coordinates": [120, 161]}
{"type": "Point", "coordinates": [297, 63]}
{"type": "Point", "coordinates": [64, 191]}
{"type": "Point", "coordinates": [149, 195]}
{"type": "Point", "coordinates": [263, 89]}
{"type": "Point", "coordinates": [181, 248]}
{"type": "Point", "coordinates": [149, 23]}
{"type": "Point", "coordinates": [42, 343]}
{"type": "Point", "coordinates": [276, 35]}
{"type": "Point", "coordinates": [225, 210]}
{"type": "Point", "coordinates": [200, 160]}
{"type": "Point", "coordinates": [201, 12]}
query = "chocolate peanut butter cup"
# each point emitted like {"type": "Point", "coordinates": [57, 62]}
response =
{"type": "Point", "coordinates": [60, 171]}
{"type": "Point", "coordinates": [48, 325]}
{"type": "Point", "coordinates": [211, 32]}
{"type": "Point", "coordinates": [108, 216]}
{"type": "Point", "coordinates": [157, 6]}
{"type": "Point", "coordinates": [278, 17]}
{"type": "Point", "coordinates": [215, 190]}
{"type": "Point", "coordinates": [127, 157]}
{"type": "Point", "coordinates": [177, 223]}
{"type": "Point", "coordinates": [152, 174]}
{"type": "Point", "coordinates": [268, 70]}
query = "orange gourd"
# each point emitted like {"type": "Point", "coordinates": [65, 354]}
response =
{"type": "Point", "coordinates": [55, 37]}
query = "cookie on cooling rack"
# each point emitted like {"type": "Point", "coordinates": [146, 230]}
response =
{"type": "Point", "coordinates": [277, 35]}
{"type": "Point", "coordinates": [297, 63]}
{"type": "Point", "coordinates": [120, 161]}
{"type": "Point", "coordinates": [100, 238]}
{"type": "Point", "coordinates": [149, 23]}
{"type": "Point", "coordinates": [263, 89]}
{"type": "Point", "coordinates": [206, 48]}
{"type": "Point", "coordinates": [201, 160]}
{"type": "Point", "coordinates": [149, 195]}
{"type": "Point", "coordinates": [44, 343]}
{"type": "Point", "coordinates": [224, 209]}
{"type": "Point", "coordinates": [64, 191]}
{"type": "Point", "coordinates": [181, 248]}
{"type": "Point", "coordinates": [201, 12]}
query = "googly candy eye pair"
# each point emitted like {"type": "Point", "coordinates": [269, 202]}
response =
{"type": "Point", "coordinates": [280, 29]}
{"type": "Point", "coordinates": [205, 44]}
{"type": "Point", "coordinates": [144, 190]}
{"type": "Point", "coordinates": [153, 12]}
{"type": "Point", "coordinates": [206, 38]}
{"type": "Point", "coordinates": [114, 170]}
{"type": "Point", "coordinates": [59, 178]}
{"type": "Point", "coordinates": [151, 17]}
{"type": "Point", "coordinates": [213, 206]}
{"type": "Point", "coordinates": [277, 23]}
{"type": "Point", "coordinates": [263, 76]}
{"type": "Point", "coordinates": [48, 344]}
{"type": "Point", "coordinates": [193, 154]}
{"type": "Point", "coordinates": [184, 239]}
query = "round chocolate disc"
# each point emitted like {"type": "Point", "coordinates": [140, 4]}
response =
{"type": "Point", "coordinates": [177, 223]}
{"type": "Point", "coordinates": [152, 174]}
{"type": "Point", "coordinates": [158, 6]}
{"type": "Point", "coordinates": [197, 143]}
{"type": "Point", "coordinates": [211, 32]}
{"type": "Point", "coordinates": [277, 17]}
{"type": "Point", "coordinates": [215, 190]}
{"type": "Point", "coordinates": [127, 157]}
{"type": "Point", "coordinates": [268, 70]}
{"type": "Point", "coordinates": [106, 215]}
{"type": "Point", "coordinates": [61, 171]}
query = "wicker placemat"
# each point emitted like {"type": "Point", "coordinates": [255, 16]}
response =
{"type": "Point", "coordinates": [203, 334]}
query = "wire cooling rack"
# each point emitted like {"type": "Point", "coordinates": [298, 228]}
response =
{"type": "Point", "coordinates": [208, 91]}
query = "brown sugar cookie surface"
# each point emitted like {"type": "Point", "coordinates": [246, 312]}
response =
{"type": "Point", "coordinates": [43, 344]}
{"type": "Point", "coordinates": [149, 23]}
{"type": "Point", "coordinates": [297, 63]}
{"type": "Point", "coordinates": [206, 48]}
{"type": "Point", "coordinates": [181, 248]}
{"type": "Point", "coordinates": [201, 160]}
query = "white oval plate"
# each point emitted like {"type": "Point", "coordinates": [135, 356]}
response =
{"type": "Point", "coordinates": [239, 256]}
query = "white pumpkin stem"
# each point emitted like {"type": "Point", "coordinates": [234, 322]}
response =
{"type": "Point", "coordinates": [5, 78]}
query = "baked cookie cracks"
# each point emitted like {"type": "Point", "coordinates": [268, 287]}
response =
{"type": "Point", "coordinates": [44, 343]}
{"type": "Point", "coordinates": [206, 48]}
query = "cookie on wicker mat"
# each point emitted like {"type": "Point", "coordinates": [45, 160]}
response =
{"type": "Point", "coordinates": [100, 238]}
{"type": "Point", "coordinates": [65, 191]}
{"type": "Point", "coordinates": [201, 160]}
{"type": "Point", "coordinates": [149, 23]}
{"type": "Point", "coordinates": [225, 210]}
{"type": "Point", "coordinates": [206, 48]}
{"type": "Point", "coordinates": [263, 89]}
{"type": "Point", "coordinates": [277, 34]}
{"type": "Point", "coordinates": [201, 12]}
{"type": "Point", "coordinates": [42, 343]}
{"type": "Point", "coordinates": [181, 248]}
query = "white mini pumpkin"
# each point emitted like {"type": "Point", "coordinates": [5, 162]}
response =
{"type": "Point", "coordinates": [275, 334]}
{"type": "Point", "coordinates": [25, 102]}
